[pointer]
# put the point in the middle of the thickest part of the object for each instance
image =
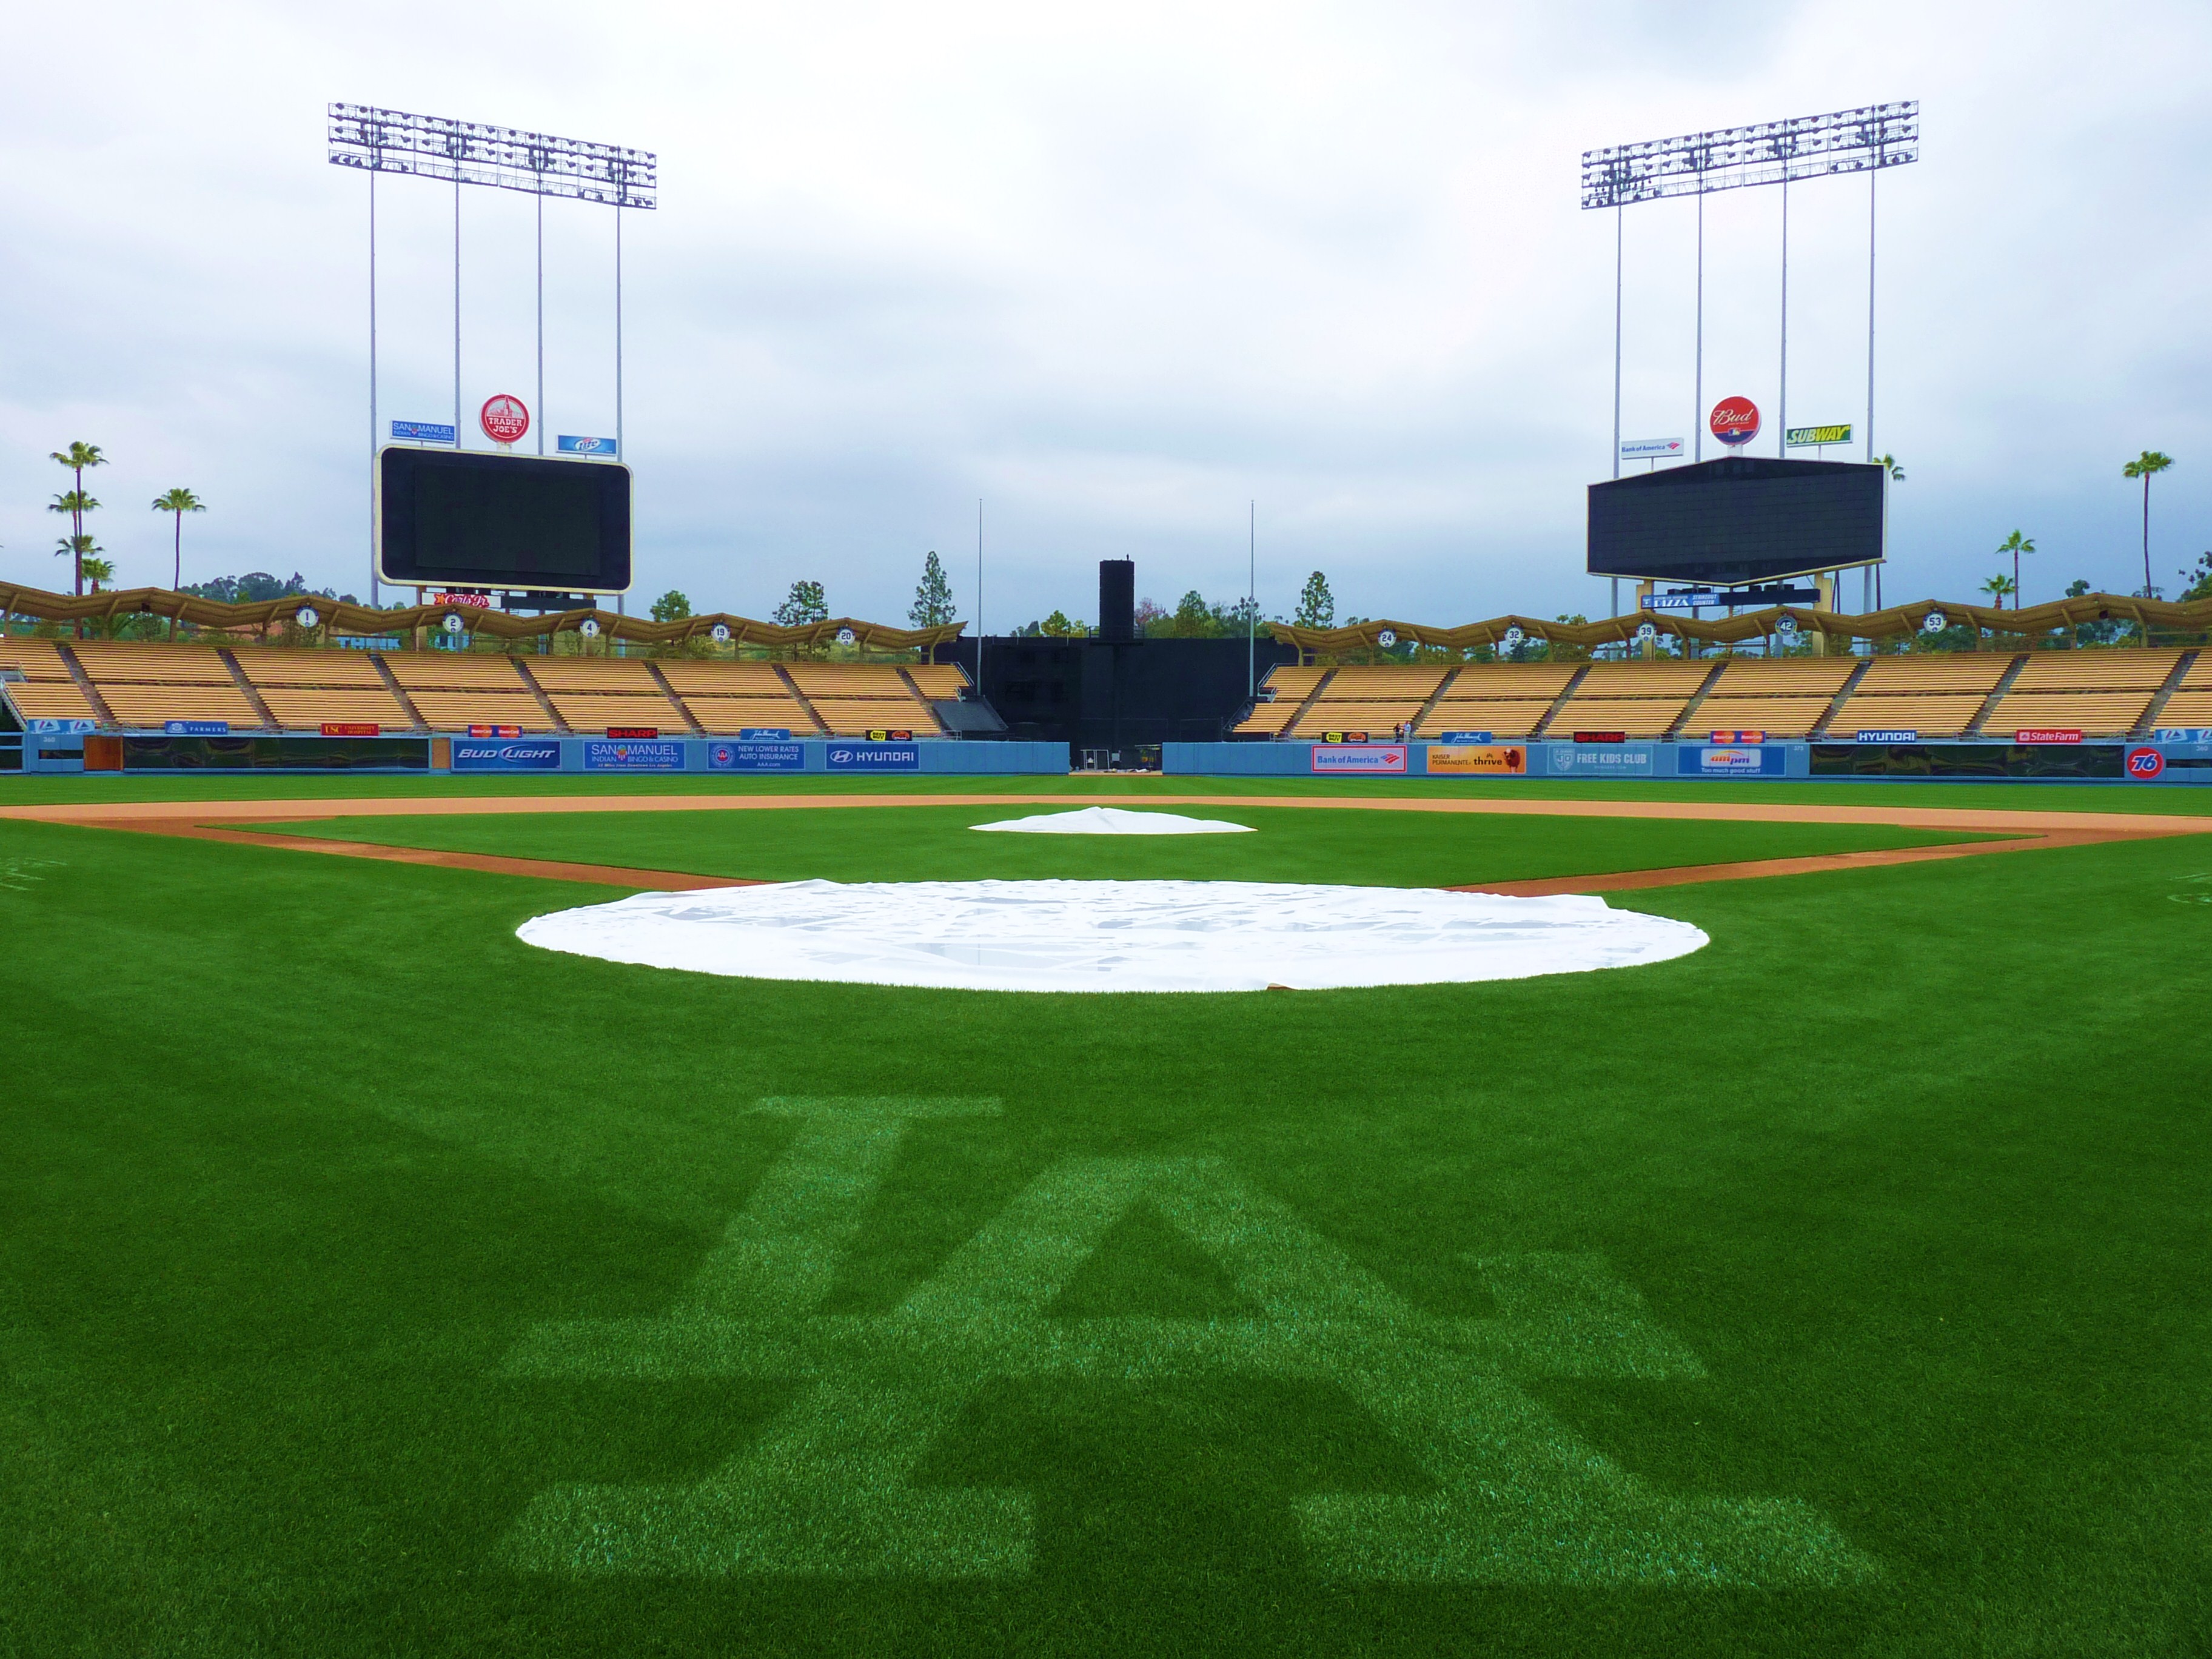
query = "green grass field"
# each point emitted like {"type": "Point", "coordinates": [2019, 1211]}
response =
{"type": "Point", "coordinates": [374, 1284]}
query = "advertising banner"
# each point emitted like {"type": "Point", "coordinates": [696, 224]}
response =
{"type": "Point", "coordinates": [43, 725]}
{"type": "Point", "coordinates": [350, 729]}
{"type": "Point", "coordinates": [1729, 760]}
{"type": "Point", "coordinates": [197, 728]}
{"type": "Point", "coordinates": [874, 758]}
{"type": "Point", "coordinates": [1812, 437]}
{"type": "Point", "coordinates": [1509, 760]}
{"type": "Point", "coordinates": [504, 755]}
{"type": "Point", "coordinates": [1888, 734]}
{"type": "Point", "coordinates": [756, 757]}
{"type": "Point", "coordinates": [1340, 758]}
{"type": "Point", "coordinates": [1467, 737]}
{"type": "Point", "coordinates": [421, 432]}
{"type": "Point", "coordinates": [664, 756]}
{"type": "Point", "coordinates": [2164, 734]}
{"type": "Point", "coordinates": [2046, 735]}
{"type": "Point", "coordinates": [570, 444]}
{"type": "Point", "coordinates": [1653, 449]}
{"type": "Point", "coordinates": [1609, 760]}
{"type": "Point", "coordinates": [765, 734]}
{"type": "Point", "coordinates": [2145, 764]}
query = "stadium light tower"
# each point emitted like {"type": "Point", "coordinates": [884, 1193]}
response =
{"type": "Point", "coordinates": [1865, 140]}
{"type": "Point", "coordinates": [374, 141]}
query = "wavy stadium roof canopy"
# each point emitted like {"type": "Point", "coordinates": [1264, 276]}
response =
{"type": "Point", "coordinates": [337, 617]}
{"type": "Point", "coordinates": [2192, 616]}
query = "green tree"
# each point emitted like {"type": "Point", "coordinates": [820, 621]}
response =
{"type": "Point", "coordinates": [2015, 544]}
{"type": "Point", "coordinates": [804, 603]}
{"type": "Point", "coordinates": [1058, 626]}
{"type": "Point", "coordinates": [1997, 587]}
{"type": "Point", "coordinates": [1194, 618]}
{"type": "Point", "coordinates": [97, 570]}
{"type": "Point", "coordinates": [77, 457]}
{"type": "Point", "coordinates": [1888, 463]}
{"type": "Point", "coordinates": [1317, 604]}
{"type": "Point", "coordinates": [671, 606]}
{"type": "Point", "coordinates": [2147, 466]}
{"type": "Point", "coordinates": [933, 605]}
{"type": "Point", "coordinates": [2199, 579]}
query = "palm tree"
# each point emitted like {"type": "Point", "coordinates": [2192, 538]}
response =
{"type": "Point", "coordinates": [180, 502]}
{"type": "Point", "coordinates": [2147, 466]}
{"type": "Point", "coordinates": [98, 570]}
{"type": "Point", "coordinates": [1997, 587]}
{"type": "Point", "coordinates": [2015, 544]}
{"type": "Point", "coordinates": [77, 457]}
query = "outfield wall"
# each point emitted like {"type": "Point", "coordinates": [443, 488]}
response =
{"type": "Point", "coordinates": [147, 755]}
{"type": "Point", "coordinates": [2179, 760]}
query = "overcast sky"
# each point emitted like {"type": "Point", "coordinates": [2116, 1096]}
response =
{"type": "Point", "coordinates": [1115, 271]}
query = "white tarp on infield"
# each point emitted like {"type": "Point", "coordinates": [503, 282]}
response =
{"type": "Point", "coordinates": [1113, 821]}
{"type": "Point", "coordinates": [1112, 935]}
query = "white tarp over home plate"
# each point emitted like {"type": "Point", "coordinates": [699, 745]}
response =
{"type": "Point", "coordinates": [1113, 821]}
{"type": "Point", "coordinates": [1112, 935]}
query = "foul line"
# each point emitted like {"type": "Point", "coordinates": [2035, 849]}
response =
{"type": "Point", "coordinates": [214, 820]}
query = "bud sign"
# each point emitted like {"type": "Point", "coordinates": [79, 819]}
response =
{"type": "Point", "coordinates": [1735, 420]}
{"type": "Point", "coordinates": [504, 417]}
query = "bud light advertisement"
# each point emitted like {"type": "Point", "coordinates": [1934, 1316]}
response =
{"type": "Point", "coordinates": [502, 755]}
{"type": "Point", "coordinates": [1735, 421]}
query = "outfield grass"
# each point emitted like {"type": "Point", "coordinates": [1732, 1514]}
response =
{"type": "Point", "coordinates": [74, 790]}
{"type": "Point", "coordinates": [934, 843]}
{"type": "Point", "coordinates": [363, 1271]}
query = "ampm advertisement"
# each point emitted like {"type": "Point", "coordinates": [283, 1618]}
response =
{"type": "Point", "coordinates": [657, 755]}
{"type": "Point", "coordinates": [1745, 760]}
{"type": "Point", "coordinates": [874, 758]}
{"type": "Point", "coordinates": [756, 757]}
{"type": "Point", "coordinates": [1610, 760]}
{"type": "Point", "coordinates": [1507, 760]}
{"type": "Point", "coordinates": [502, 755]}
{"type": "Point", "coordinates": [1371, 758]}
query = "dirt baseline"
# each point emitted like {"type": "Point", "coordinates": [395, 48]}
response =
{"type": "Point", "coordinates": [221, 821]}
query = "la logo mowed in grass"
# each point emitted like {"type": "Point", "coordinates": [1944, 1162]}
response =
{"type": "Point", "coordinates": [827, 1489]}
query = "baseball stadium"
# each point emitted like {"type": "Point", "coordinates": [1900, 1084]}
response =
{"type": "Point", "coordinates": [578, 1146]}
{"type": "Point", "coordinates": [530, 1129]}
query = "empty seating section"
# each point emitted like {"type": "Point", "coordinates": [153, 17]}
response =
{"type": "Point", "coordinates": [2096, 715]}
{"type": "Point", "coordinates": [1374, 699]}
{"type": "Point", "coordinates": [729, 697]}
{"type": "Point", "coordinates": [457, 689]}
{"type": "Point", "coordinates": [2199, 676]}
{"type": "Point", "coordinates": [47, 691]}
{"type": "Point", "coordinates": [146, 684]}
{"type": "Point", "coordinates": [2182, 708]}
{"type": "Point", "coordinates": [1777, 717]}
{"type": "Point", "coordinates": [941, 681]}
{"type": "Point", "coordinates": [1898, 675]}
{"type": "Point", "coordinates": [308, 689]}
{"type": "Point", "coordinates": [1931, 716]}
{"type": "Point", "coordinates": [1505, 699]}
{"type": "Point", "coordinates": [2094, 671]}
{"type": "Point", "coordinates": [1635, 717]}
{"type": "Point", "coordinates": [854, 697]}
{"type": "Point", "coordinates": [595, 694]}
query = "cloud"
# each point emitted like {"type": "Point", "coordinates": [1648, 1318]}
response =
{"type": "Point", "coordinates": [1116, 273]}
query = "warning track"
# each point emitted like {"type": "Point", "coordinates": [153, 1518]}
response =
{"type": "Point", "coordinates": [228, 821]}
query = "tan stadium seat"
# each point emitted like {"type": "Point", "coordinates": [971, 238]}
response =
{"type": "Point", "coordinates": [1385, 683]}
{"type": "Point", "coordinates": [1783, 676]}
{"type": "Point", "coordinates": [1380, 720]}
{"type": "Point", "coordinates": [456, 711]}
{"type": "Point", "coordinates": [150, 706]}
{"type": "Point", "coordinates": [1266, 720]}
{"type": "Point", "coordinates": [849, 679]}
{"type": "Point", "coordinates": [1503, 720]}
{"type": "Point", "coordinates": [724, 716]}
{"type": "Point", "coordinates": [1510, 682]}
{"type": "Point", "coordinates": [629, 676]}
{"type": "Point", "coordinates": [1779, 717]}
{"type": "Point", "coordinates": [598, 710]}
{"type": "Point", "coordinates": [1642, 679]}
{"type": "Point", "coordinates": [34, 659]}
{"type": "Point", "coordinates": [130, 662]}
{"type": "Point", "coordinates": [48, 699]}
{"type": "Point", "coordinates": [2095, 671]}
{"type": "Point", "coordinates": [849, 717]}
{"type": "Point", "coordinates": [277, 666]}
{"type": "Point", "coordinates": [1932, 716]}
{"type": "Point", "coordinates": [2182, 708]}
{"type": "Point", "coordinates": [1638, 717]}
{"type": "Point", "coordinates": [2096, 713]}
{"type": "Point", "coordinates": [2198, 678]}
{"type": "Point", "coordinates": [1292, 684]}
{"type": "Point", "coordinates": [1934, 672]}
{"type": "Point", "coordinates": [455, 671]}
{"type": "Point", "coordinates": [306, 708]}
{"type": "Point", "coordinates": [940, 682]}
{"type": "Point", "coordinates": [724, 679]}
